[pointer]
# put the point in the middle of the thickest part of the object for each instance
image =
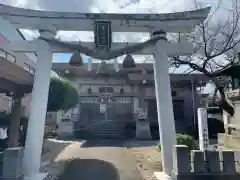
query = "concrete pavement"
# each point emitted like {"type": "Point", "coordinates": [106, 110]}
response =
{"type": "Point", "coordinates": [102, 160]}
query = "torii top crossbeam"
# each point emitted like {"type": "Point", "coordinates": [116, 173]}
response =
{"type": "Point", "coordinates": [170, 22]}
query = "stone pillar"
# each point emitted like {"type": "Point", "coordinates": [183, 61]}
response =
{"type": "Point", "coordinates": [213, 161]}
{"type": "Point", "coordinates": [228, 161]}
{"type": "Point", "coordinates": [141, 97]}
{"type": "Point", "coordinates": [15, 120]}
{"type": "Point", "coordinates": [225, 121]}
{"type": "Point", "coordinates": [142, 125]}
{"type": "Point", "coordinates": [181, 159]}
{"type": "Point", "coordinates": [12, 163]}
{"type": "Point", "coordinates": [198, 165]}
{"type": "Point", "coordinates": [225, 118]}
{"type": "Point", "coordinates": [38, 108]}
{"type": "Point", "coordinates": [135, 89]}
{"type": "Point", "coordinates": [135, 105]}
{"type": "Point", "coordinates": [164, 103]}
{"type": "Point", "coordinates": [203, 129]}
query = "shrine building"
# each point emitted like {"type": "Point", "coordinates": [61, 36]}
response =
{"type": "Point", "coordinates": [124, 92]}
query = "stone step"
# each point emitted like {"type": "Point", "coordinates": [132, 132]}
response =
{"type": "Point", "coordinates": [106, 129]}
{"type": "Point", "coordinates": [108, 135]}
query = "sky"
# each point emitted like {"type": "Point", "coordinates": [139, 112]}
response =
{"type": "Point", "coordinates": [109, 6]}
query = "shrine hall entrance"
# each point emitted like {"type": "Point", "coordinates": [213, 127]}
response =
{"type": "Point", "coordinates": [104, 118]}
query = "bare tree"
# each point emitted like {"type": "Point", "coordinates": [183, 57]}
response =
{"type": "Point", "coordinates": [216, 43]}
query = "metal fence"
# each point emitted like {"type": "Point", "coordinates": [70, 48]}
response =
{"type": "Point", "coordinates": [11, 58]}
{"type": "Point", "coordinates": [29, 68]}
{"type": "Point", "coordinates": [7, 56]}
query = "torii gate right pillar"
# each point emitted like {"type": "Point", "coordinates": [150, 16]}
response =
{"type": "Point", "coordinates": [164, 103]}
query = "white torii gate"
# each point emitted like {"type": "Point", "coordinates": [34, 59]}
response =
{"type": "Point", "coordinates": [48, 23]}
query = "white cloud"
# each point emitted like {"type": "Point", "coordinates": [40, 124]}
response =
{"type": "Point", "coordinates": [33, 4]}
{"type": "Point", "coordinates": [142, 6]}
{"type": "Point", "coordinates": [75, 36]}
{"type": "Point", "coordinates": [29, 34]}
{"type": "Point", "coordinates": [66, 6]}
{"type": "Point", "coordinates": [115, 6]}
{"type": "Point", "coordinates": [107, 6]}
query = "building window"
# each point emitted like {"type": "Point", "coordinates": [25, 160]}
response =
{"type": "Point", "coordinates": [174, 93]}
{"type": "Point", "coordinates": [105, 90]}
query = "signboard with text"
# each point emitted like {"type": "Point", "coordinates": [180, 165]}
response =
{"type": "Point", "coordinates": [103, 34]}
{"type": "Point", "coordinates": [103, 108]}
{"type": "Point", "coordinates": [203, 129]}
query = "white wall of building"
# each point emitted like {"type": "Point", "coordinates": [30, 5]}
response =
{"type": "Point", "coordinates": [9, 34]}
{"type": "Point", "coordinates": [6, 104]}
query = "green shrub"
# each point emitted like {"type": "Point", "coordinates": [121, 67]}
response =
{"type": "Point", "coordinates": [62, 95]}
{"type": "Point", "coordinates": [3, 114]}
{"type": "Point", "coordinates": [159, 147]}
{"type": "Point", "coordinates": [183, 139]}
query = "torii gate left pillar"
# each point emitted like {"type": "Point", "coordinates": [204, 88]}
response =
{"type": "Point", "coordinates": [38, 108]}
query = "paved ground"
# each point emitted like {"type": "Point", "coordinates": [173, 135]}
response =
{"type": "Point", "coordinates": [104, 159]}
{"type": "Point", "coordinates": [99, 159]}
{"type": "Point", "coordinates": [147, 158]}
{"type": "Point", "coordinates": [55, 155]}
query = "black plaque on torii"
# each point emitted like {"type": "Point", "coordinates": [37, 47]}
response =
{"type": "Point", "coordinates": [102, 35]}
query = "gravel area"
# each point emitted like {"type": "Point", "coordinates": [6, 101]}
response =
{"type": "Point", "coordinates": [147, 158]}
{"type": "Point", "coordinates": [102, 160]}
{"type": "Point", "coordinates": [55, 154]}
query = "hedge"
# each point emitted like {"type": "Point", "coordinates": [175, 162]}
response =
{"type": "Point", "coordinates": [184, 139]}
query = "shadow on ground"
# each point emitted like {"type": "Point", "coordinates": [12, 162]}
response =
{"type": "Point", "coordinates": [102, 143]}
{"type": "Point", "coordinates": [89, 169]}
{"type": "Point", "coordinates": [141, 143]}
{"type": "Point", "coordinates": [118, 143]}
{"type": "Point", "coordinates": [52, 148]}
